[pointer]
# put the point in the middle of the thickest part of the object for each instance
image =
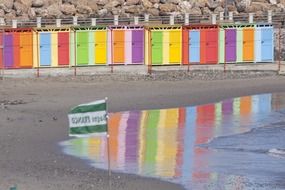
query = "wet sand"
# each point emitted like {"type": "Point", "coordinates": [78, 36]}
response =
{"type": "Point", "coordinates": [33, 119]}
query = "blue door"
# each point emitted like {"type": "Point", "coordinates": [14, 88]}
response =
{"type": "Point", "coordinates": [267, 44]}
{"type": "Point", "coordinates": [45, 49]}
{"type": "Point", "coordinates": [194, 46]}
{"type": "Point", "coordinates": [257, 44]}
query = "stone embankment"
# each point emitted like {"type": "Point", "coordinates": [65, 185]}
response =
{"type": "Point", "coordinates": [29, 9]}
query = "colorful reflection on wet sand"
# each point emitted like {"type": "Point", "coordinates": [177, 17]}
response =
{"type": "Point", "coordinates": [165, 143]}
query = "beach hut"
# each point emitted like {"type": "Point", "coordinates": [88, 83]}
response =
{"type": "Point", "coordinates": [91, 45]}
{"type": "Point", "coordinates": [264, 43]}
{"type": "Point", "coordinates": [17, 48]}
{"type": "Point", "coordinates": [165, 44]}
{"type": "Point", "coordinates": [127, 44]}
{"type": "Point", "coordinates": [51, 47]}
{"type": "Point", "coordinates": [201, 42]}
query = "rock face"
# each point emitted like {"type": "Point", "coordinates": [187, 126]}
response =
{"type": "Point", "coordinates": [11, 9]}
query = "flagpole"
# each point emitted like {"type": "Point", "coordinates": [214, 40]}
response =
{"type": "Point", "coordinates": [108, 139]}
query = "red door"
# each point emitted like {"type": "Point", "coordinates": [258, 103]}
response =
{"type": "Point", "coordinates": [185, 46]}
{"type": "Point", "coordinates": [63, 48]}
{"type": "Point", "coordinates": [211, 46]}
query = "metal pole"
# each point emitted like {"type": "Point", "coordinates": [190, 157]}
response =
{"type": "Point", "coordinates": [2, 66]}
{"type": "Point", "coordinates": [226, 9]}
{"type": "Point", "coordinates": [108, 141]}
{"type": "Point", "coordinates": [112, 57]}
{"type": "Point", "coordinates": [279, 50]}
{"type": "Point", "coordinates": [75, 51]}
{"type": "Point", "coordinates": [149, 52]}
{"type": "Point", "coordinates": [225, 52]}
{"type": "Point", "coordinates": [38, 58]}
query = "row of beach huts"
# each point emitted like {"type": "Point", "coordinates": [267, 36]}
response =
{"type": "Point", "coordinates": [136, 44]}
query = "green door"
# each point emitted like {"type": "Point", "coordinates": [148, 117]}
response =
{"type": "Point", "coordinates": [156, 53]}
{"type": "Point", "coordinates": [82, 48]}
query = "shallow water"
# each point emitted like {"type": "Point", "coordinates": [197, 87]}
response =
{"type": "Point", "coordinates": [234, 144]}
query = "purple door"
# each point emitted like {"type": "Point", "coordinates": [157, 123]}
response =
{"type": "Point", "coordinates": [230, 45]}
{"type": "Point", "coordinates": [8, 50]}
{"type": "Point", "coordinates": [132, 137]}
{"type": "Point", "coordinates": [137, 46]}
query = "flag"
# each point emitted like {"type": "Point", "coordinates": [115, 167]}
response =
{"type": "Point", "coordinates": [88, 119]}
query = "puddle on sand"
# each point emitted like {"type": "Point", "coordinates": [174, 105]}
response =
{"type": "Point", "coordinates": [163, 143]}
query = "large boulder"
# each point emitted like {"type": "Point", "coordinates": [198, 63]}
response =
{"type": "Point", "coordinates": [54, 11]}
{"type": "Point", "coordinates": [153, 12]}
{"type": "Point", "coordinates": [37, 3]}
{"type": "Point", "coordinates": [27, 3]}
{"type": "Point", "coordinates": [257, 6]}
{"type": "Point", "coordinates": [68, 9]}
{"type": "Point", "coordinates": [20, 8]}
{"type": "Point", "coordinates": [195, 11]}
{"type": "Point", "coordinates": [93, 5]}
{"type": "Point", "coordinates": [185, 6]}
{"type": "Point", "coordinates": [212, 4]}
{"type": "Point", "coordinates": [132, 2]}
{"type": "Point", "coordinates": [7, 3]}
{"type": "Point", "coordinates": [167, 8]}
{"type": "Point", "coordinates": [102, 12]}
{"type": "Point", "coordinates": [242, 5]}
{"type": "Point", "coordinates": [112, 4]}
{"type": "Point", "coordinates": [83, 9]}
{"type": "Point", "coordinates": [147, 4]}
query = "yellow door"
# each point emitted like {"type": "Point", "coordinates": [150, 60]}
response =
{"type": "Point", "coordinates": [100, 47]}
{"type": "Point", "coordinates": [248, 44]}
{"type": "Point", "coordinates": [175, 46]}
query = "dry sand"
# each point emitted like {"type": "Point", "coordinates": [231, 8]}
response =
{"type": "Point", "coordinates": [30, 130]}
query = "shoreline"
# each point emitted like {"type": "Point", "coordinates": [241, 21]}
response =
{"type": "Point", "coordinates": [38, 122]}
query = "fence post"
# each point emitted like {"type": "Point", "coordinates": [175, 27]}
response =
{"type": "Point", "coordinates": [14, 23]}
{"type": "Point", "coordinates": [75, 23]}
{"type": "Point", "coordinates": [214, 19]}
{"type": "Point", "coordinates": [250, 18]}
{"type": "Point", "coordinates": [231, 16]}
{"type": "Point", "coordinates": [269, 16]}
{"type": "Point", "coordinates": [93, 22]}
{"type": "Point", "coordinates": [2, 22]}
{"type": "Point", "coordinates": [116, 19]}
{"type": "Point", "coordinates": [221, 16]}
{"type": "Point", "coordinates": [39, 22]}
{"type": "Point", "coordinates": [136, 20]}
{"type": "Point", "coordinates": [171, 20]}
{"type": "Point", "coordinates": [58, 22]}
{"type": "Point", "coordinates": [146, 17]}
{"type": "Point", "coordinates": [186, 19]}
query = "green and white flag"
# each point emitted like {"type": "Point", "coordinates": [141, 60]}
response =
{"type": "Point", "coordinates": [88, 119]}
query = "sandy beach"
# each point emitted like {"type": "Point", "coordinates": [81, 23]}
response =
{"type": "Point", "coordinates": [33, 119]}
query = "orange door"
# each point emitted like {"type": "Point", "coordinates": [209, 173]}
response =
{"type": "Point", "coordinates": [248, 44]}
{"type": "Point", "coordinates": [26, 50]}
{"type": "Point", "coordinates": [119, 46]}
